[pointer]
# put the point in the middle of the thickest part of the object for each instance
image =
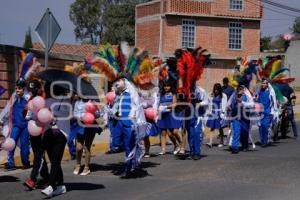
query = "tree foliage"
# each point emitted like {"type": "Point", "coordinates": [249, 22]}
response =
{"type": "Point", "coordinates": [97, 21]}
{"type": "Point", "coordinates": [265, 43]}
{"type": "Point", "coordinates": [28, 40]}
{"type": "Point", "coordinates": [87, 18]}
{"type": "Point", "coordinates": [296, 26]}
{"type": "Point", "coordinates": [279, 42]}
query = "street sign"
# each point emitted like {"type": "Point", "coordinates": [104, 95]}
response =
{"type": "Point", "coordinates": [47, 30]}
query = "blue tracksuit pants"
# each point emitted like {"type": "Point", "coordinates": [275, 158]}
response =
{"type": "Point", "coordinates": [22, 134]}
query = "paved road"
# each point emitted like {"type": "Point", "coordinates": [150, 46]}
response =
{"type": "Point", "coordinates": [271, 173]}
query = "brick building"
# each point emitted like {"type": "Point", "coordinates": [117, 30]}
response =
{"type": "Point", "coordinates": [227, 28]}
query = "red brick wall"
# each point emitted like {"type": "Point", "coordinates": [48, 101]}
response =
{"type": "Point", "coordinates": [213, 35]}
{"type": "Point", "coordinates": [6, 76]}
{"type": "Point", "coordinates": [150, 9]}
{"type": "Point", "coordinates": [193, 7]}
{"type": "Point", "coordinates": [148, 36]}
{"type": "Point", "coordinates": [251, 9]}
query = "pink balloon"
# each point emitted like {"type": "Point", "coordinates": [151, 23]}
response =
{"type": "Point", "coordinates": [44, 115]}
{"type": "Point", "coordinates": [90, 107]}
{"type": "Point", "coordinates": [110, 97]}
{"type": "Point", "coordinates": [258, 107]}
{"type": "Point", "coordinates": [38, 103]}
{"type": "Point", "coordinates": [88, 118]}
{"type": "Point", "coordinates": [150, 113]}
{"type": "Point", "coordinates": [8, 144]}
{"type": "Point", "coordinates": [288, 36]}
{"type": "Point", "coordinates": [34, 129]}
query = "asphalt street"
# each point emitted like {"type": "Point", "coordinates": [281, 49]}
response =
{"type": "Point", "coordinates": [263, 173]}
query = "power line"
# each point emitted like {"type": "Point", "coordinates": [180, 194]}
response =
{"type": "Point", "coordinates": [271, 9]}
{"type": "Point", "coordinates": [285, 7]}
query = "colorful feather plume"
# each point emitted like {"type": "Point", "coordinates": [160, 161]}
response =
{"type": "Point", "coordinates": [243, 72]}
{"type": "Point", "coordinates": [190, 67]}
{"type": "Point", "coordinates": [116, 61]}
{"type": "Point", "coordinates": [276, 73]}
{"type": "Point", "coordinates": [29, 65]}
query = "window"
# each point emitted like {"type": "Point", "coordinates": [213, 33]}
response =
{"type": "Point", "coordinates": [236, 4]}
{"type": "Point", "coordinates": [188, 33]}
{"type": "Point", "coordinates": [235, 35]}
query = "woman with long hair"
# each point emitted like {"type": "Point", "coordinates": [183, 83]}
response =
{"type": "Point", "coordinates": [168, 123]}
{"type": "Point", "coordinates": [216, 114]}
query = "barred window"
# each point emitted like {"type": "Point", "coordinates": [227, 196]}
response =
{"type": "Point", "coordinates": [188, 33]}
{"type": "Point", "coordinates": [236, 4]}
{"type": "Point", "coordinates": [235, 35]}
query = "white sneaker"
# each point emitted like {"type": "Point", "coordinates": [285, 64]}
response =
{"type": "Point", "coordinates": [59, 190]}
{"type": "Point", "coordinates": [220, 145]}
{"type": "Point", "coordinates": [48, 191]}
{"type": "Point", "coordinates": [162, 153]}
{"type": "Point", "coordinates": [182, 151]}
{"type": "Point", "coordinates": [176, 151]}
{"type": "Point", "coordinates": [76, 170]}
{"type": "Point", "coordinates": [85, 172]}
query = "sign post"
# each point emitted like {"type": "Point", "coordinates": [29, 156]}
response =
{"type": "Point", "coordinates": [47, 30]}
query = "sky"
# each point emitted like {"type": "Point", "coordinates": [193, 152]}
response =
{"type": "Point", "coordinates": [17, 15]}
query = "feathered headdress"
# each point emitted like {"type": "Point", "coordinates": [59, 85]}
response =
{"type": "Point", "coordinates": [29, 65]}
{"type": "Point", "coordinates": [275, 72]}
{"type": "Point", "coordinates": [119, 61]}
{"type": "Point", "coordinates": [243, 72]}
{"type": "Point", "coordinates": [190, 67]}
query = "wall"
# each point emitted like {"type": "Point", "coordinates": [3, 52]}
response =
{"type": "Point", "coordinates": [292, 61]}
{"type": "Point", "coordinates": [212, 34]}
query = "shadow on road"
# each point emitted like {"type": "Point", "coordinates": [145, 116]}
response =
{"type": "Point", "coordinates": [117, 169]}
{"type": "Point", "coordinates": [83, 186]}
{"type": "Point", "coordinates": [6, 179]}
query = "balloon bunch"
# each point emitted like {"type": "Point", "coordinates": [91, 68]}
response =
{"type": "Point", "coordinates": [44, 115]}
{"type": "Point", "coordinates": [89, 115]}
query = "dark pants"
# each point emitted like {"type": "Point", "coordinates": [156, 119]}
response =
{"type": "Point", "coordinates": [54, 143]}
{"type": "Point", "coordinates": [292, 120]}
{"type": "Point", "coordinates": [39, 161]}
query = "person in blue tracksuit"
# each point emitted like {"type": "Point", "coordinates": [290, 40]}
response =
{"type": "Point", "coordinates": [263, 96]}
{"type": "Point", "coordinates": [193, 124]}
{"type": "Point", "coordinates": [122, 123]}
{"type": "Point", "coordinates": [14, 110]}
{"type": "Point", "coordinates": [115, 144]}
{"type": "Point", "coordinates": [239, 109]}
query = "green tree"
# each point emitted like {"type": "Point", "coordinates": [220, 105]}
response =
{"type": "Point", "coordinates": [87, 18]}
{"type": "Point", "coordinates": [28, 40]}
{"type": "Point", "coordinates": [278, 43]}
{"type": "Point", "coordinates": [296, 26]}
{"type": "Point", "coordinates": [119, 21]}
{"type": "Point", "coordinates": [104, 20]}
{"type": "Point", "coordinates": [265, 43]}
